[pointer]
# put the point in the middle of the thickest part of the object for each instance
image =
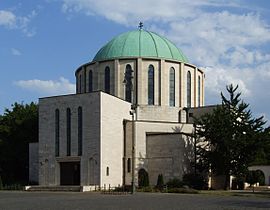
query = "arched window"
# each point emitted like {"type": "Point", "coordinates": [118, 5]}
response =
{"type": "Point", "coordinates": [57, 132]}
{"type": "Point", "coordinates": [90, 81]}
{"type": "Point", "coordinates": [107, 171]}
{"type": "Point", "coordinates": [199, 91]}
{"type": "Point", "coordinates": [188, 89]}
{"type": "Point", "coordinates": [80, 130]}
{"type": "Point", "coordinates": [151, 85]}
{"type": "Point", "coordinates": [80, 84]}
{"type": "Point", "coordinates": [68, 131]}
{"type": "Point", "coordinates": [77, 84]}
{"type": "Point", "coordinates": [107, 80]}
{"type": "Point", "coordinates": [172, 87]}
{"type": "Point", "coordinates": [128, 80]}
{"type": "Point", "coordinates": [128, 165]}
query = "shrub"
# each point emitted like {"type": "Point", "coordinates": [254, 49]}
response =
{"type": "Point", "coordinates": [195, 181]}
{"type": "Point", "coordinates": [143, 178]}
{"type": "Point", "coordinates": [146, 189]}
{"type": "Point", "coordinates": [160, 182]}
{"type": "Point", "coordinates": [174, 183]}
{"type": "Point", "coordinates": [13, 187]}
{"type": "Point", "coordinates": [1, 183]}
{"type": "Point", "coordinates": [182, 190]}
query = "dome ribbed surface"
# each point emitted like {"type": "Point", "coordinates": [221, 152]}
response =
{"type": "Point", "coordinates": [140, 43]}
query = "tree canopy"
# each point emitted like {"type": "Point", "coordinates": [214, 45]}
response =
{"type": "Point", "coordinates": [18, 127]}
{"type": "Point", "coordinates": [229, 138]}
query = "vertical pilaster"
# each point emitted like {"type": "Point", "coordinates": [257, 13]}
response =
{"type": "Point", "coordinates": [140, 81]}
{"type": "Point", "coordinates": [195, 87]}
{"type": "Point", "coordinates": [177, 85]}
{"type": "Point", "coordinates": [117, 81]}
{"type": "Point", "coordinates": [163, 83]}
{"type": "Point", "coordinates": [182, 85]}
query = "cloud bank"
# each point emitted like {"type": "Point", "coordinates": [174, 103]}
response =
{"type": "Point", "coordinates": [10, 20]}
{"type": "Point", "coordinates": [226, 38]}
{"type": "Point", "coordinates": [47, 87]}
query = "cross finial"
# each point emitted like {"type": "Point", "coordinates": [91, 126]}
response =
{"type": "Point", "coordinates": [140, 25]}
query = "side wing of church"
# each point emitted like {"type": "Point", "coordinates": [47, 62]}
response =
{"type": "Point", "coordinates": [129, 110]}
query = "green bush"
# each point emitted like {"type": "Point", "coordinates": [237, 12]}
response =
{"type": "Point", "coordinates": [175, 183]}
{"type": "Point", "coordinates": [1, 183]}
{"type": "Point", "coordinates": [182, 190]}
{"type": "Point", "coordinates": [143, 178]}
{"type": "Point", "coordinates": [160, 182]}
{"type": "Point", "coordinates": [195, 181]}
{"type": "Point", "coordinates": [13, 187]}
{"type": "Point", "coordinates": [146, 189]}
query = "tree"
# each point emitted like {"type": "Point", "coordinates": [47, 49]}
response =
{"type": "Point", "coordinates": [160, 181]}
{"type": "Point", "coordinates": [252, 178]}
{"type": "Point", "coordinates": [18, 127]}
{"type": "Point", "coordinates": [229, 137]}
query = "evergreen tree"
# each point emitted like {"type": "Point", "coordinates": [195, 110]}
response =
{"type": "Point", "coordinates": [229, 137]}
{"type": "Point", "coordinates": [160, 181]}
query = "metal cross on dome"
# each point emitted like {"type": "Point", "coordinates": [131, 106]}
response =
{"type": "Point", "coordinates": [140, 25]}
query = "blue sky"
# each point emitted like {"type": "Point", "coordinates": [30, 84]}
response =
{"type": "Point", "coordinates": [43, 42]}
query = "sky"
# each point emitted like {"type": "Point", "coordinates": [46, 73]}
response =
{"type": "Point", "coordinates": [42, 42]}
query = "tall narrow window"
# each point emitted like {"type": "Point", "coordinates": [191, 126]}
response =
{"type": "Point", "coordinates": [80, 84]}
{"type": "Point", "coordinates": [151, 85]}
{"type": "Point", "coordinates": [77, 84]}
{"type": "Point", "coordinates": [199, 91]}
{"type": "Point", "coordinates": [80, 130]}
{"type": "Point", "coordinates": [172, 87]}
{"type": "Point", "coordinates": [128, 165]}
{"type": "Point", "coordinates": [128, 80]}
{"type": "Point", "coordinates": [188, 89]}
{"type": "Point", "coordinates": [57, 132]}
{"type": "Point", "coordinates": [107, 171]}
{"type": "Point", "coordinates": [107, 80]}
{"type": "Point", "coordinates": [68, 131]}
{"type": "Point", "coordinates": [90, 81]}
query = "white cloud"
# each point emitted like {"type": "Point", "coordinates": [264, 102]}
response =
{"type": "Point", "coordinates": [15, 52]}
{"type": "Point", "coordinates": [223, 36]}
{"type": "Point", "coordinates": [10, 20]}
{"type": "Point", "coordinates": [47, 87]}
{"type": "Point", "coordinates": [7, 19]}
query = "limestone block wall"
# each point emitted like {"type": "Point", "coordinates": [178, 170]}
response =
{"type": "Point", "coordinates": [158, 113]}
{"type": "Point", "coordinates": [198, 112]}
{"type": "Point", "coordinates": [140, 66]}
{"type": "Point", "coordinates": [33, 163]}
{"type": "Point", "coordinates": [114, 112]}
{"type": "Point", "coordinates": [142, 129]}
{"type": "Point", "coordinates": [169, 155]}
{"type": "Point", "coordinates": [49, 170]}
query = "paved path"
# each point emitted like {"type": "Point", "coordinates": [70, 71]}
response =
{"type": "Point", "coordinates": [139, 201]}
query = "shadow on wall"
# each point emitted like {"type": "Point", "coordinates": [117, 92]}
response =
{"type": "Point", "coordinates": [169, 154]}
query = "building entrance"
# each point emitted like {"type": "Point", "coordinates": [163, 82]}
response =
{"type": "Point", "coordinates": [70, 173]}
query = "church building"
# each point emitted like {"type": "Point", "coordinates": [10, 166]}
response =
{"type": "Point", "coordinates": [130, 111]}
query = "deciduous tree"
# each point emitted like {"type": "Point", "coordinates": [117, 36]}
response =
{"type": "Point", "coordinates": [18, 127]}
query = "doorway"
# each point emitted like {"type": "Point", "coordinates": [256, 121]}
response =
{"type": "Point", "coordinates": [70, 173]}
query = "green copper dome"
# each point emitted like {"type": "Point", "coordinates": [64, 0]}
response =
{"type": "Point", "coordinates": [140, 43]}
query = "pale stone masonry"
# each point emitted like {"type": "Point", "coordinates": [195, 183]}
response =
{"type": "Point", "coordinates": [139, 68]}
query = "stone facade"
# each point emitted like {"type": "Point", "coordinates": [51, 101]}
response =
{"type": "Point", "coordinates": [103, 116]}
{"type": "Point", "coordinates": [95, 147]}
{"type": "Point", "coordinates": [140, 67]}
{"type": "Point", "coordinates": [33, 163]}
